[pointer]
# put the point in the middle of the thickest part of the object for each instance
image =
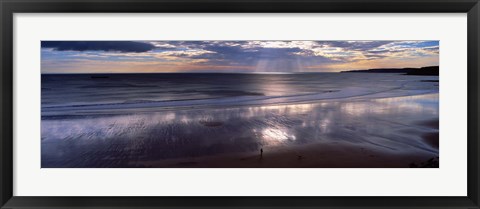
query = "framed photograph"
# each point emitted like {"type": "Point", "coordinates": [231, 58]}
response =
{"type": "Point", "coordinates": [239, 104]}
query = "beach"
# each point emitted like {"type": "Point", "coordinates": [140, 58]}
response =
{"type": "Point", "coordinates": [321, 120]}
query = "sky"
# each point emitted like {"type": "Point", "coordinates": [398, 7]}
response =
{"type": "Point", "coordinates": [233, 56]}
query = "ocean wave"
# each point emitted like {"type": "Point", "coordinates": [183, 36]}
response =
{"type": "Point", "coordinates": [349, 92]}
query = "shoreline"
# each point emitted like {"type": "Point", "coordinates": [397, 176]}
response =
{"type": "Point", "coordinates": [391, 132]}
{"type": "Point", "coordinates": [355, 98]}
{"type": "Point", "coordinates": [333, 154]}
{"type": "Point", "coordinates": [326, 154]}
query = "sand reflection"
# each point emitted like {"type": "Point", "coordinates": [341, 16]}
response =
{"type": "Point", "coordinates": [127, 140]}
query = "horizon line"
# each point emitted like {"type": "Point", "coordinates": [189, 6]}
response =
{"type": "Point", "coordinates": [193, 73]}
{"type": "Point", "coordinates": [262, 72]}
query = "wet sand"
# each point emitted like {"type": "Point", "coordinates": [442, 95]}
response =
{"type": "Point", "coordinates": [318, 155]}
{"type": "Point", "coordinates": [392, 132]}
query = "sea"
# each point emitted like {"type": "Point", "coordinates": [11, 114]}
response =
{"type": "Point", "coordinates": [129, 120]}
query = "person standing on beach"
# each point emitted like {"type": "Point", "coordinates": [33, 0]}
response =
{"type": "Point", "coordinates": [261, 152]}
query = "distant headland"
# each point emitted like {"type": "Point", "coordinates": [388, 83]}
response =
{"type": "Point", "coordinates": [429, 70]}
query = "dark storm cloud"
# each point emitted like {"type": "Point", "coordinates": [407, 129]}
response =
{"type": "Point", "coordinates": [239, 52]}
{"type": "Point", "coordinates": [382, 51]}
{"type": "Point", "coordinates": [432, 49]}
{"type": "Point", "coordinates": [360, 45]}
{"type": "Point", "coordinates": [280, 59]}
{"type": "Point", "coordinates": [374, 56]}
{"type": "Point", "coordinates": [117, 46]}
{"type": "Point", "coordinates": [277, 52]}
{"type": "Point", "coordinates": [225, 55]}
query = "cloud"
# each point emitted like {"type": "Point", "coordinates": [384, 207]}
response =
{"type": "Point", "coordinates": [185, 53]}
{"type": "Point", "coordinates": [354, 45]}
{"type": "Point", "coordinates": [239, 56]}
{"type": "Point", "coordinates": [116, 46]}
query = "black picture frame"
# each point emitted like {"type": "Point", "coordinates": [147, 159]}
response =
{"type": "Point", "coordinates": [10, 7]}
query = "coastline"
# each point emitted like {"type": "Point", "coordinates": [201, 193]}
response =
{"type": "Point", "coordinates": [332, 154]}
{"type": "Point", "coordinates": [339, 146]}
{"type": "Point", "coordinates": [346, 94]}
{"type": "Point", "coordinates": [325, 154]}
{"type": "Point", "coordinates": [393, 124]}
